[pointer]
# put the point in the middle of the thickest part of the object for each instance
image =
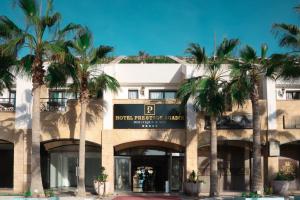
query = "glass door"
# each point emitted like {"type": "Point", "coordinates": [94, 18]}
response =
{"type": "Point", "coordinates": [176, 172]}
{"type": "Point", "coordinates": [122, 173]}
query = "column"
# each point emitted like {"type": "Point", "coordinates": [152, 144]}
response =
{"type": "Point", "coordinates": [108, 159]}
{"type": "Point", "coordinates": [191, 151]}
{"type": "Point", "coordinates": [247, 166]}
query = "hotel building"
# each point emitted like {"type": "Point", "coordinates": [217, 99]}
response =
{"type": "Point", "coordinates": [141, 136]}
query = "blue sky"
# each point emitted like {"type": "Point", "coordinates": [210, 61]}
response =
{"type": "Point", "coordinates": [166, 27]}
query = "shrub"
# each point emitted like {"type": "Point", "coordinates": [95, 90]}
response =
{"type": "Point", "coordinates": [285, 175]}
{"type": "Point", "coordinates": [102, 177]}
{"type": "Point", "coordinates": [28, 193]}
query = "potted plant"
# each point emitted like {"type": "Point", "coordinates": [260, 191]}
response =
{"type": "Point", "coordinates": [193, 185]}
{"type": "Point", "coordinates": [282, 181]}
{"type": "Point", "coordinates": [100, 183]}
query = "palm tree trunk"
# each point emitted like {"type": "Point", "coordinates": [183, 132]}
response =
{"type": "Point", "coordinates": [256, 176]}
{"type": "Point", "coordinates": [214, 186]}
{"type": "Point", "coordinates": [36, 185]}
{"type": "Point", "coordinates": [36, 178]}
{"type": "Point", "coordinates": [81, 169]}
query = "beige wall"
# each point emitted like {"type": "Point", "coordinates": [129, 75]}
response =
{"type": "Point", "coordinates": [289, 109]}
{"type": "Point", "coordinates": [65, 125]}
{"type": "Point", "coordinates": [231, 134]}
{"type": "Point", "coordinates": [16, 137]}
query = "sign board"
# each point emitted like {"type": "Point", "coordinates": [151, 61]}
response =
{"type": "Point", "coordinates": [274, 148]}
{"type": "Point", "coordinates": [148, 116]}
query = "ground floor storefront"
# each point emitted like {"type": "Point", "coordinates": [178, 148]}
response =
{"type": "Point", "coordinates": [146, 165]}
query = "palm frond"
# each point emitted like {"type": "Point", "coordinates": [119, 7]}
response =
{"type": "Point", "coordinates": [29, 7]}
{"type": "Point", "coordinates": [8, 28]}
{"type": "Point", "coordinates": [264, 49]}
{"type": "Point", "coordinates": [102, 83]}
{"type": "Point", "coordinates": [68, 28]}
{"type": "Point", "coordinates": [6, 77]}
{"type": "Point", "coordinates": [284, 65]}
{"type": "Point", "coordinates": [289, 35]}
{"type": "Point", "coordinates": [226, 47]}
{"type": "Point", "coordinates": [297, 8]}
{"type": "Point", "coordinates": [197, 52]}
{"type": "Point", "coordinates": [49, 7]}
{"type": "Point", "coordinates": [83, 39]}
{"type": "Point", "coordinates": [12, 46]}
{"type": "Point", "coordinates": [49, 21]}
{"type": "Point", "coordinates": [100, 53]}
{"type": "Point", "coordinates": [24, 65]}
{"type": "Point", "coordinates": [248, 54]}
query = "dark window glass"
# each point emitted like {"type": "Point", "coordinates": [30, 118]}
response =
{"type": "Point", "coordinates": [133, 94]}
{"type": "Point", "coordinates": [292, 95]}
{"type": "Point", "coordinates": [162, 94]}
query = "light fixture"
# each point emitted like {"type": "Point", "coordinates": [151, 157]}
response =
{"type": "Point", "coordinates": [142, 91]}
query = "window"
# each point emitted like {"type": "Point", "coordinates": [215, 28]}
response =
{"type": "Point", "coordinates": [12, 97]}
{"type": "Point", "coordinates": [162, 94]}
{"type": "Point", "coordinates": [60, 94]}
{"type": "Point", "coordinates": [133, 94]}
{"type": "Point", "coordinates": [292, 95]}
{"type": "Point", "coordinates": [60, 97]}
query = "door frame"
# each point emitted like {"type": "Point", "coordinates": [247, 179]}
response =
{"type": "Point", "coordinates": [129, 173]}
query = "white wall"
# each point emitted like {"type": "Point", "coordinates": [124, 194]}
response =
{"type": "Point", "coordinates": [23, 103]}
{"type": "Point", "coordinates": [148, 73]}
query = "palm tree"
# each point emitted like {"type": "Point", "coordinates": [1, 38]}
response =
{"type": "Point", "coordinates": [6, 75]}
{"type": "Point", "coordinates": [286, 65]}
{"type": "Point", "coordinates": [289, 34]}
{"type": "Point", "coordinates": [208, 94]}
{"type": "Point", "coordinates": [79, 60]}
{"type": "Point", "coordinates": [36, 41]}
{"type": "Point", "coordinates": [246, 74]}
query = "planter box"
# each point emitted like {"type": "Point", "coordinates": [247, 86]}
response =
{"type": "Point", "coordinates": [101, 188]}
{"type": "Point", "coordinates": [193, 189]}
{"type": "Point", "coordinates": [281, 187]}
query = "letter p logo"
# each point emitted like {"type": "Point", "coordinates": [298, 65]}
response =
{"type": "Point", "coordinates": [149, 110]}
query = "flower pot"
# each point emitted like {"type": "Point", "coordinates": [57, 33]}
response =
{"type": "Point", "coordinates": [191, 188]}
{"type": "Point", "coordinates": [281, 187]}
{"type": "Point", "coordinates": [101, 188]}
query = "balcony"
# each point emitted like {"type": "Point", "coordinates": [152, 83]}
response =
{"type": "Point", "coordinates": [53, 104]}
{"type": "Point", "coordinates": [243, 121]}
{"type": "Point", "coordinates": [7, 104]}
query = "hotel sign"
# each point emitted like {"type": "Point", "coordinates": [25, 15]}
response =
{"type": "Point", "coordinates": [148, 116]}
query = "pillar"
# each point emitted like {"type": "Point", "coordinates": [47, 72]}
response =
{"type": "Point", "coordinates": [191, 152]}
{"type": "Point", "coordinates": [247, 166]}
{"type": "Point", "coordinates": [108, 159]}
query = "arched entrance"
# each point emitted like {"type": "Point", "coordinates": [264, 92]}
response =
{"type": "Point", "coordinates": [289, 160]}
{"type": "Point", "coordinates": [234, 161]}
{"type": "Point", "coordinates": [7, 164]}
{"type": "Point", "coordinates": [145, 166]}
{"type": "Point", "coordinates": [60, 163]}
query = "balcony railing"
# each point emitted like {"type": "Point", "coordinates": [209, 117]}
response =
{"type": "Point", "coordinates": [7, 104]}
{"type": "Point", "coordinates": [243, 121]}
{"type": "Point", "coordinates": [53, 104]}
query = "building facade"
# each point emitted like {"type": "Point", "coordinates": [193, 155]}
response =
{"type": "Point", "coordinates": [141, 136]}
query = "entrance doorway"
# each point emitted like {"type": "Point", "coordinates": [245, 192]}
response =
{"type": "Point", "coordinates": [7, 164]}
{"type": "Point", "coordinates": [60, 164]}
{"type": "Point", "coordinates": [146, 169]}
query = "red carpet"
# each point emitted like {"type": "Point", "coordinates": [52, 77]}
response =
{"type": "Point", "coordinates": [147, 198]}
